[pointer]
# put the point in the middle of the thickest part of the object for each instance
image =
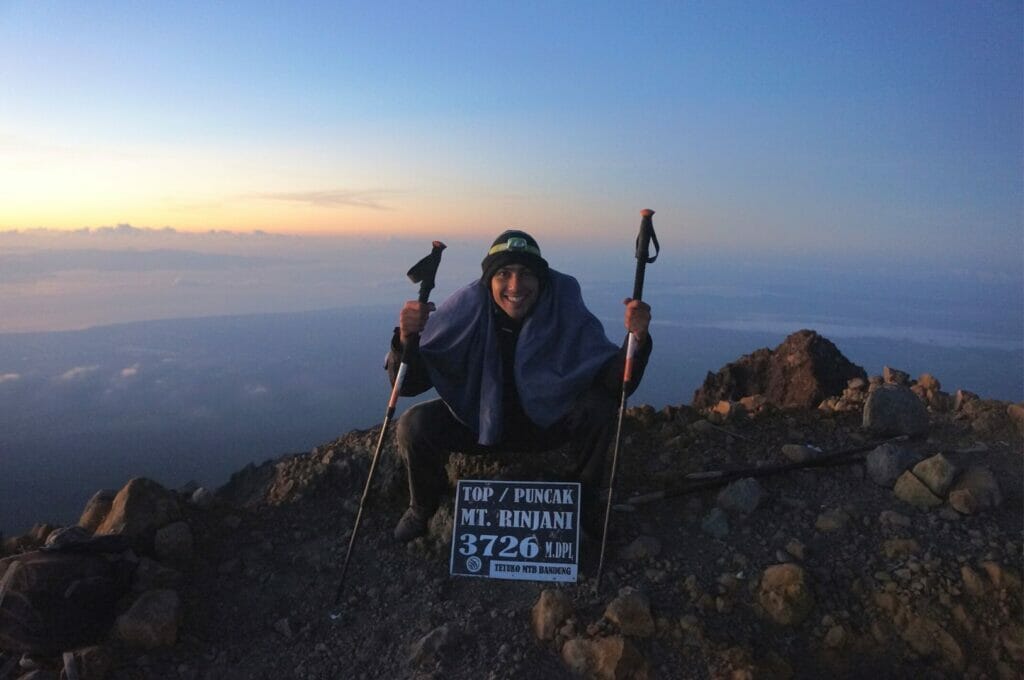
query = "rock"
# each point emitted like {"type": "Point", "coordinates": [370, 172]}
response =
{"type": "Point", "coordinates": [973, 583]}
{"type": "Point", "coordinates": [631, 612]}
{"type": "Point", "coordinates": [715, 524]}
{"type": "Point", "coordinates": [940, 401]}
{"type": "Point", "coordinates": [989, 418]}
{"type": "Point", "coordinates": [1015, 412]}
{"type": "Point", "coordinates": [963, 398]}
{"type": "Point", "coordinates": [151, 575]}
{"type": "Point", "coordinates": [910, 489]}
{"type": "Point", "coordinates": [742, 496]}
{"type": "Point", "coordinates": [795, 548]}
{"type": "Point", "coordinates": [893, 376]}
{"type": "Point", "coordinates": [552, 608]}
{"type": "Point", "coordinates": [755, 403]}
{"type": "Point", "coordinates": [701, 426]}
{"type": "Point", "coordinates": [432, 646]}
{"type": "Point", "coordinates": [975, 490]}
{"type": "Point", "coordinates": [1001, 577]}
{"type": "Point", "coordinates": [605, 658]}
{"type": "Point", "coordinates": [644, 547]}
{"type": "Point", "coordinates": [151, 621]}
{"type": "Point", "coordinates": [727, 411]}
{"type": "Point", "coordinates": [93, 663]}
{"type": "Point", "coordinates": [40, 532]}
{"type": "Point", "coordinates": [96, 509]}
{"type": "Point", "coordinates": [1012, 637]}
{"type": "Point", "coordinates": [202, 497]}
{"type": "Point", "coordinates": [937, 473]}
{"type": "Point", "coordinates": [929, 382]}
{"type": "Point", "coordinates": [785, 595]}
{"type": "Point", "coordinates": [836, 637]}
{"type": "Point", "coordinates": [894, 519]}
{"type": "Point", "coordinates": [62, 538]}
{"type": "Point", "coordinates": [283, 627]}
{"type": "Point", "coordinates": [887, 462]}
{"type": "Point", "coordinates": [801, 372]}
{"type": "Point", "coordinates": [929, 639]}
{"type": "Point", "coordinates": [173, 543]}
{"type": "Point", "coordinates": [900, 547]}
{"type": "Point", "coordinates": [40, 674]}
{"type": "Point", "coordinates": [140, 507]}
{"type": "Point", "coordinates": [832, 520]}
{"type": "Point", "coordinates": [893, 410]}
{"type": "Point", "coordinates": [798, 453]}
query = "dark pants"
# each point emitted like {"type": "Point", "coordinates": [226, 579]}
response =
{"type": "Point", "coordinates": [428, 432]}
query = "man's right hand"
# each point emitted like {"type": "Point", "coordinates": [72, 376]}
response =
{"type": "Point", "coordinates": [413, 318]}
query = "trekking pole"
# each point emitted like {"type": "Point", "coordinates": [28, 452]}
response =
{"type": "Point", "coordinates": [423, 273]}
{"type": "Point", "coordinates": [700, 481]}
{"type": "Point", "coordinates": [643, 258]}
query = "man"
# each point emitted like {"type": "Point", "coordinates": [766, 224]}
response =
{"type": "Point", "coordinates": [520, 365]}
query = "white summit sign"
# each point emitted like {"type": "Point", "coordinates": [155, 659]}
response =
{"type": "Point", "coordinates": [526, 531]}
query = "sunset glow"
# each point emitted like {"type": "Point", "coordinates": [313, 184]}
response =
{"type": "Point", "coordinates": [789, 126]}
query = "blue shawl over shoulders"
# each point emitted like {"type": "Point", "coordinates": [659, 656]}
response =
{"type": "Point", "coordinates": [561, 348]}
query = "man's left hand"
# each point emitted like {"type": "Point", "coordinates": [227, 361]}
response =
{"type": "Point", "coordinates": [638, 318]}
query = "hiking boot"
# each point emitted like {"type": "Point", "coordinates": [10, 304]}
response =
{"type": "Point", "coordinates": [412, 525]}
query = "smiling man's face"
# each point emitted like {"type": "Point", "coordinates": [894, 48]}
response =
{"type": "Point", "coordinates": [514, 288]}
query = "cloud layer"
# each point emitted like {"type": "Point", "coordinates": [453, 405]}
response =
{"type": "Point", "coordinates": [332, 198]}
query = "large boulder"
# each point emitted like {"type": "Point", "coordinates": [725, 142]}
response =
{"type": "Point", "coordinates": [893, 410]}
{"type": "Point", "coordinates": [801, 372]}
{"type": "Point", "coordinates": [151, 621]}
{"type": "Point", "coordinates": [977, 489]}
{"type": "Point", "coordinates": [887, 462]}
{"type": "Point", "coordinates": [96, 509]}
{"type": "Point", "coordinates": [141, 507]}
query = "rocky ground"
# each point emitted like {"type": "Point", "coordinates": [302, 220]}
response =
{"type": "Point", "coordinates": [851, 569]}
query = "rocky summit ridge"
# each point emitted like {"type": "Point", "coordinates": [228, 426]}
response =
{"type": "Point", "coordinates": [799, 520]}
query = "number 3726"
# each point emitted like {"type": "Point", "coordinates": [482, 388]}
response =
{"type": "Point", "coordinates": [507, 546]}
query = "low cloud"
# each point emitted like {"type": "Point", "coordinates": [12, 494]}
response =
{"type": "Point", "coordinates": [77, 372]}
{"type": "Point", "coordinates": [332, 198]}
{"type": "Point", "coordinates": [133, 233]}
{"type": "Point", "coordinates": [130, 372]}
{"type": "Point", "coordinates": [127, 229]}
{"type": "Point", "coordinates": [9, 377]}
{"type": "Point", "coordinates": [257, 390]}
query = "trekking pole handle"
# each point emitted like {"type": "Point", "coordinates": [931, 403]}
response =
{"type": "Point", "coordinates": [423, 272]}
{"type": "Point", "coordinates": [643, 258]}
{"type": "Point", "coordinates": [643, 243]}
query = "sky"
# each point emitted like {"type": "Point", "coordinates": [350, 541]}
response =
{"type": "Point", "coordinates": [855, 130]}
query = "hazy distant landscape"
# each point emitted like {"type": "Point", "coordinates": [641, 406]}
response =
{"type": "Point", "coordinates": [197, 399]}
{"type": "Point", "coordinates": [186, 356]}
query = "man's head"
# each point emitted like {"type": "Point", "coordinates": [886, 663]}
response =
{"type": "Point", "coordinates": [515, 272]}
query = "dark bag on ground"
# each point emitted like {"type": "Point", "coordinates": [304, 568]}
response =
{"type": "Point", "coordinates": [55, 600]}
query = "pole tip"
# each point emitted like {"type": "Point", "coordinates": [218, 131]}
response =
{"type": "Point", "coordinates": [646, 212]}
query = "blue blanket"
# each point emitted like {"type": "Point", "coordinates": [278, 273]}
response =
{"type": "Point", "coordinates": [561, 348]}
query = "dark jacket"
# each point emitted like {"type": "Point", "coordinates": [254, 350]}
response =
{"type": "Point", "coordinates": [607, 374]}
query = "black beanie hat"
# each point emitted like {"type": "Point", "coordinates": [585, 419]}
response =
{"type": "Point", "coordinates": [514, 247]}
